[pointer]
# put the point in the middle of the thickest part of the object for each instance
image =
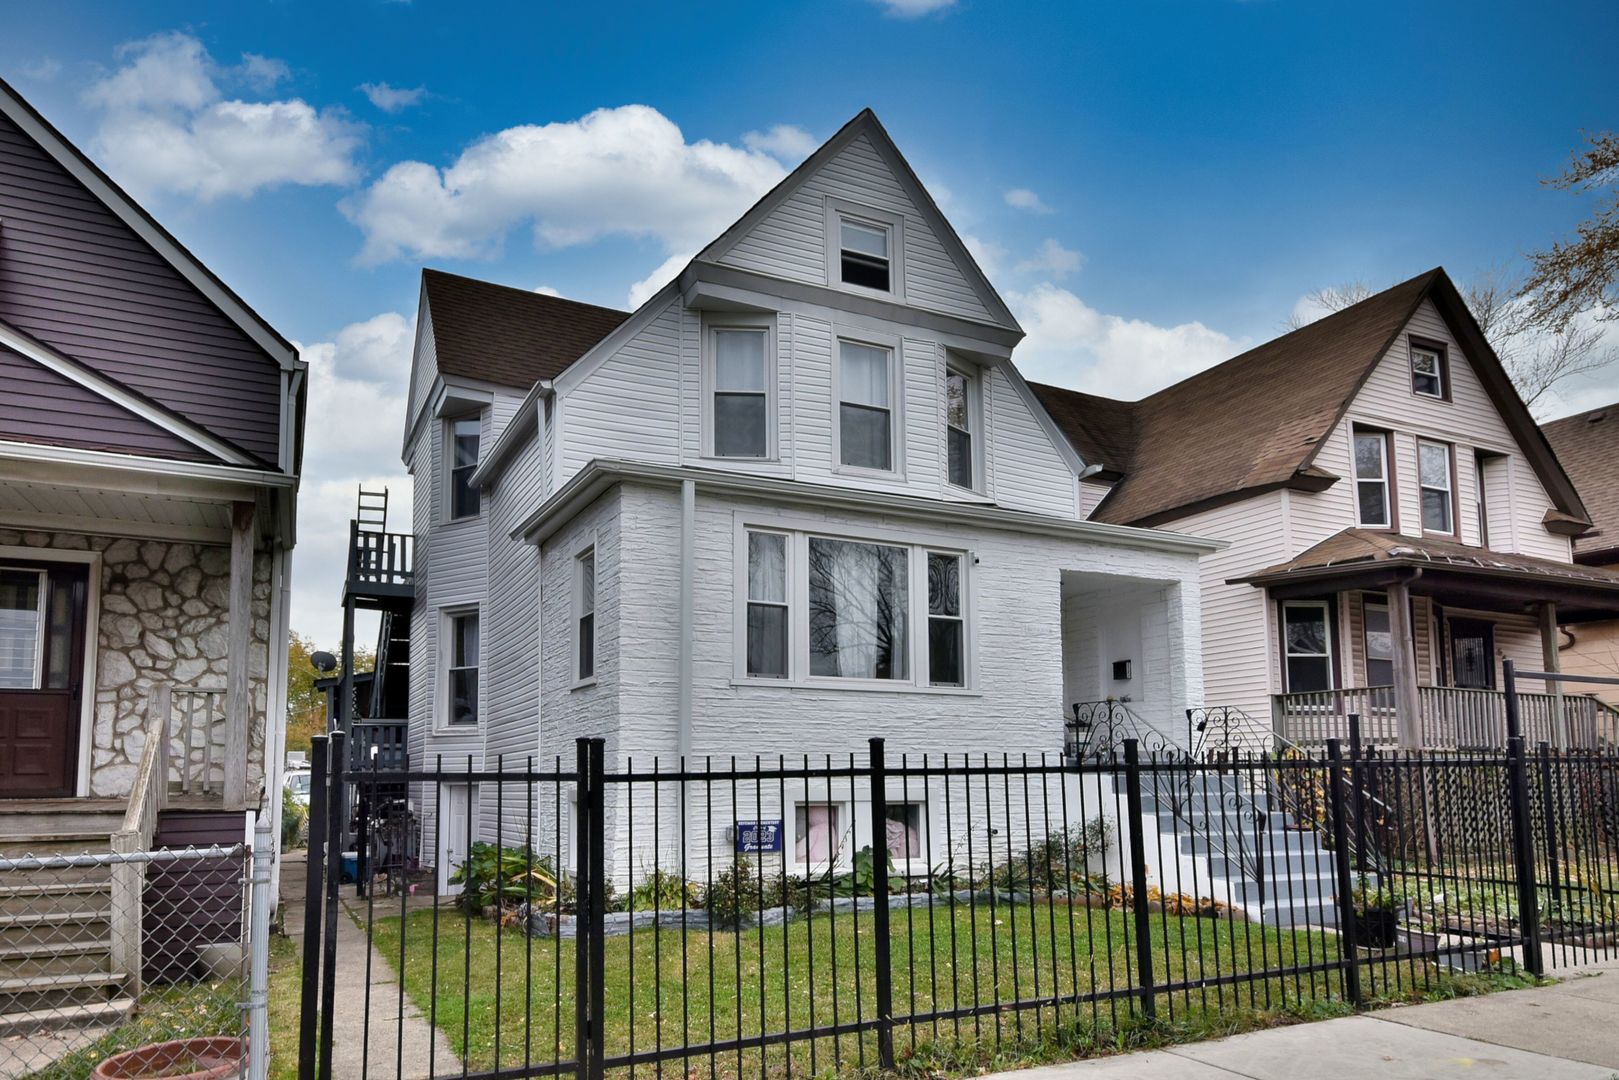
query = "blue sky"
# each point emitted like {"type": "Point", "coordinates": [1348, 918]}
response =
{"type": "Point", "coordinates": [1153, 186]}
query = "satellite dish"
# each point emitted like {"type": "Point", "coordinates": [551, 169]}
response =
{"type": "Point", "coordinates": [324, 662]}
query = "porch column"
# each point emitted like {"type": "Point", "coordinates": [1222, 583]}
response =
{"type": "Point", "coordinates": [1546, 610]}
{"type": "Point", "coordinates": [1407, 701]}
{"type": "Point", "coordinates": [238, 700]}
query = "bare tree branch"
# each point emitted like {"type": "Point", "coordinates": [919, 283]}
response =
{"type": "Point", "coordinates": [1580, 275]}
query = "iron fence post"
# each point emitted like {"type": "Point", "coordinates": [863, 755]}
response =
{"type": "Point", "coordinates": [598, 910]}
{"type": "Point", "coordinates": [581, 920]}
{"type": "Point", "coordinates": [1509, 685]}
{"type": "Point", "coordinates": [879, 911]}
{"type": "Point", "coordinates": [1343, 879]}
{"type": "Point", "coordinates": [1138, 877]}
{"type": "Point", "coordinates": [336, 797]}
{"type": "Point", "coordinates": [1523, 852]}
{"type": "Point", "coordinates": [314, 863]}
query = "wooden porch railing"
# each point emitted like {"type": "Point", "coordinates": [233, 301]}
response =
{"type": "Point", "coordinates": [197, 740]}
{"type": "Point", "coordinates": [147, 798]}
{"type": "Point", "coordinates": [1452, 717]}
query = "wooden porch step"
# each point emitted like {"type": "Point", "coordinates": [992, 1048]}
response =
{"type": "Point", "coordinates": [44, 844]}
{"type": "Point", "coordinates": [88, 980]}
{"type": "Point", "coordinates": [92, 1014]}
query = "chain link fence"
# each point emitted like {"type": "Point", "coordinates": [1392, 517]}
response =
{"type": "Point", "coordinates": [142, 954]}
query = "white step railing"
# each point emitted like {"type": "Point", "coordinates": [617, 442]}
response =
{"type": "Point", "coordinates": [1452, 717]}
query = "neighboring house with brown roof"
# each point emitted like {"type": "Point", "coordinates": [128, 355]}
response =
{"type": "Point", "coordinates": [798, 498]}
{"type": "Point", "coordinates": [1397, 523]}
{"type": "Point", "coordinates": [1587, 444]}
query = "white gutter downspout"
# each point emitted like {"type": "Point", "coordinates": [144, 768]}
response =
{"type": "Point", "coordinates": [275, 722]}
{"type": "Point", "coordinates": [688, 556]}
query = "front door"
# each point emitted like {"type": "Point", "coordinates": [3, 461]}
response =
{"type": "Point", "coordinates": [1472, 654]}
{"type": "Point", "coordinates": [455, 828]}
{"type": "Point", "coordinates": [42, 619]}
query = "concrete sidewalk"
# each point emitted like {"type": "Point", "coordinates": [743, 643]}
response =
{"type": "Point", "coordinates": [1565, 1032]}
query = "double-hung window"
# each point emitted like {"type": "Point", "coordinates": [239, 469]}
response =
{"type": "Point", "coordinates": [859, 610]}
{"type": "Point", "coordinates": [1372, 479]}
{"type": "Point", "coordinates": [1379, 635]}
{"type": "Point", "coordinates": [1427, 371]}
{"type": "Point", "coordinates": [584, 615]}
{"type": "Point", "coordinates": [1434, 474]}
{"type": "Point", "coordinates": [768, 630]}
{"type": "Point", "coordinates": [22, 628]}
{"type": "Point", "coordinates": [865, 418]}
{"type": "Point", "coordinates": [464, 436]}
{"type": "Point", "coordinates": [462, 706]}
{"type": "Point", "coordinates": [865, 253]}
{"type": "Point", "coordinates": [1307, 646]}
{"type": "Point", "coordinates": [947, 628]}
{"type": "Point", "coordinates": [741, 386]}
{"type": "Point", "coordinates": [960, 404]}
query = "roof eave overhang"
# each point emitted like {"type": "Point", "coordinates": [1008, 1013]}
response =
{"type": "Point", "coordinates": [1492, 582]}
{"type": "Point", "coordinates": [600, 475]}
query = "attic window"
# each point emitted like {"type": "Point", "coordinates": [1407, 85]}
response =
{"type": "Point", "coordinates": [1428, 371]}
{"type": "Point", "coordinates": [865, 251]}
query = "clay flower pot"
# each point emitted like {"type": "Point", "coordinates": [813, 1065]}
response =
{"type": "Point", "coordinates": [183, 1059]}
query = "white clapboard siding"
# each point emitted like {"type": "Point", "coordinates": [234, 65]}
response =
{"type": "Point", "coordinates": [424, 365]}
{"type": "Point", "coordinates": [811, 376]}
{"type": "Point", "coordinates": [1028, 471]}
{"type": "Point", "coordinates": [628, 405]}
{"type": "Point", "coordinates": [791, 241]}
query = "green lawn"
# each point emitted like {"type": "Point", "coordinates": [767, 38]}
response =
{"type": "Point", "coordinates": [811, 973]}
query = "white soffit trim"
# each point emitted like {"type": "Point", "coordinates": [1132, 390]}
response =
{"type": "Point", "coordinates": [146, 227]}
{"type": "Point", "coordinates": [19, 342]}
{"type": "Point", "coordinates": [34, 462]}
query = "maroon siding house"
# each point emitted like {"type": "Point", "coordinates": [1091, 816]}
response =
{"type": "Point", "coordinates": [149, 453]}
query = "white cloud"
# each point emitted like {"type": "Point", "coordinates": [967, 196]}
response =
{"type": "Point", "coordinates": [1072, 344]}
{"type": "Point", "coordinates": [1054, 259]}
{"type": "Point", "coordinates": [1024, 199]}
{"type": "Point", "coordinates": [627, 171]}
{"type": "Point", "coordinates": [547, 290]}
{"type": "Point", "coordinates": [42, 69]}
{"type": "Point", "coordinates": [666, 272]}
{"type": "Point", "coordinates": [784, 142]}
{"type": "Point", "coordinates": [391, 99]}
{"type": "Point", "coordinates": [166, 126]}
{"type": "Point", "coordinates": [989, 255]}
{"type": "Point", "coordinates": [913, 9]}
{"type": "Point", "coordinates": [357, 388]}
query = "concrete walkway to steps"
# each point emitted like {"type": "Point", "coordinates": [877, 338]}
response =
{"type": "Point", "coordinates": [425, 1051]}
{"type": "Point", "coordinates": [1569, 1031]}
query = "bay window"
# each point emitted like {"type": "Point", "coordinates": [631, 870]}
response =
{"type": "Point", "coordinates": [767, 626]}
{"type": "Point", "coordinates": [947, 630]}
{"type": "Point", "coordinates": [464, 438]}
{"type": "Point", "coordinates": [960, 398]}
{"type": "Point", "coordinates": [859, 609]}
{"type": "Point", "coordinates": [1372, 479]}
{"type": "Point", "coordinates": [865, 418]}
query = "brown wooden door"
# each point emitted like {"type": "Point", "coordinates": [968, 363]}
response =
{"type": "Point", "coordinates": [42, 631]}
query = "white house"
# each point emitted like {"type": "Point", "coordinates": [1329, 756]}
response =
{"type": "Point", "coordinates": [800, 497]}
{"type": "Point", "coordinates": [1396, 524]}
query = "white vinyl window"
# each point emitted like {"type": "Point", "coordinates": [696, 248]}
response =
{"type": "Point", "coordinates": [818, 837]}
{"type": "Point", "coordinates": [1372, 479]}
{"type": "Point", "coordinates": [1427, 371]}
{"type": "Point", "coordinates": [960, 428]}
{"type": "Point", "coordinates": [1379, 634]}
{"type": "Point", "coordinates": [1307, 645]}
{"type": "Point", "coordinates": [865, 254]}
{"type": "Point", "coordinates": [947, 626]}
{"type": "Point", "coordinates": [1434, 475]}
{"type": "Point", "coordinates": [461, 683]}
{"type": "Point", "coordinates": [464, 436]}
{"type": "Point", "coordinates": [22, 628]}
{"type": "Point", "coordinates": [906, 834]}
{"type": "Point", "coordinates": [865, 416]}
{"type": "Point", "coordinates": [584, 616]}
{"type": "Point", "coordinates": [859, 610]}
{"type": "Point", "coordinates": [741, 410]}
{"type": "Point", "coordinates": [768, 626]}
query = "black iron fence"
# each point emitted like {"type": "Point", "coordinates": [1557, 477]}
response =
{"type": "Point", "coordinates": [799, 915]}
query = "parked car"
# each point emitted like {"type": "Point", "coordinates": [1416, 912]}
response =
{"type": "Point", "coordinates": [297, 782]}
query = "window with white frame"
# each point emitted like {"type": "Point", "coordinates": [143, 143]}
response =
{"type": "Point", "coordinates": [1372, 479]}
{"type": "Point", "coordinates": [947, 627]}
{"type": "Point", "coordinates": [906, 832]}
{"type": "Point", "coordinates": [1379, 634]}
{"type": "Point", "coordinates": [960, 425]}
{"type": "Point", "coordinates": [461, 706]}
{"type": "Point", "coordinates": [768, 628]}
{"type": "Point", "coordinates": [22, 628]}
{"type": "Point", "coordinates": [584, 615]}
{"type": "Point", "coordinates": [865, 253]}
{"type": "Point", "coordinates": [1427, 371]}
{"type": "Point", "coordinates": [813, 608]}
{"type": "Point", "coordinates": [817, 833]}
{"type": "Point", "coordinates": [1434, 474]}
{"type": "Point", "coordinates": [865, 416]}
{"type": "Point", "coordinates": [463, 438]}
{"type": "Point", "coordinates": [1307, 646]}
{"type": "Point", "coordinates": [741, 379]}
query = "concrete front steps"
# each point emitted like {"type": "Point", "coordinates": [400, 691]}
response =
{"type": "Point", "coordinates": [56, 923]}
{"type": "Point", "coordinates": [1238, 848]}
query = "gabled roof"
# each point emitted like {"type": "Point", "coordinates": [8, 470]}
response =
{"type": "Point", "coordinates": [1257, 421]}
{"type": "Point", "coordinates": [866, 123]}
{"type": "Point", "coordinates": [506, 335]}
{"type": "Point", "coordinates": [15, 107]}
{"type": "Point", "coordinates": [1587, 445]}
{"type": "Point", "coordinates": [1102, 430]}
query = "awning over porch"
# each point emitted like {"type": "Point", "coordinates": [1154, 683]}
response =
{"type": "Point", "coordinates": [1454, 574]}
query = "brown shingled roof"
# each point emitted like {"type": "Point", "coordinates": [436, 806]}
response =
{"type": "Point", "coordinates": [507, 335]}
{"type": "Point", "coordinates": [1256, 421]}
{"type": "Point", "coordinates": [1588, 446]}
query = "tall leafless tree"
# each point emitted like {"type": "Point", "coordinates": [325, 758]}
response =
{"type": "Point", "coordinates": [1581, 275]}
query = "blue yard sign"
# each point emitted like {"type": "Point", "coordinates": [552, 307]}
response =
{"type": "Point", "coordinates": [758, 836]}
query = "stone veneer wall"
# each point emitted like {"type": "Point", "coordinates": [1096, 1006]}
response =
{"type": "Point", "coordinates": [165, 616]}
